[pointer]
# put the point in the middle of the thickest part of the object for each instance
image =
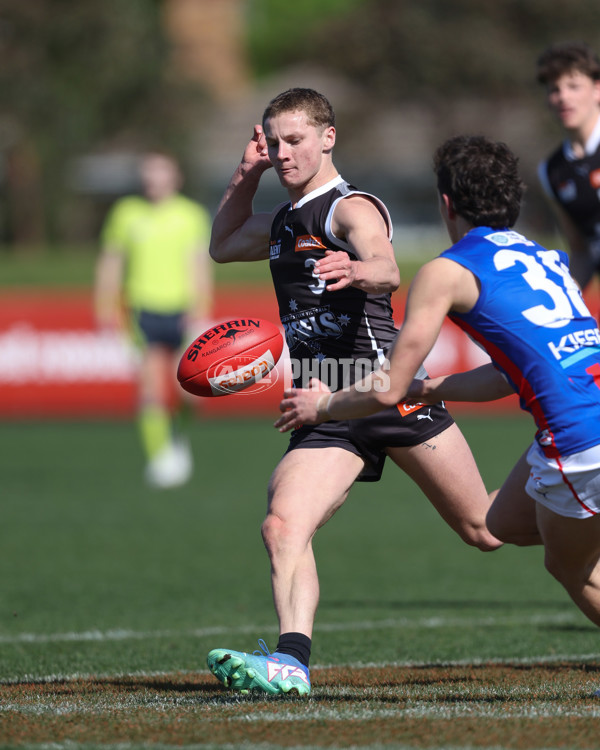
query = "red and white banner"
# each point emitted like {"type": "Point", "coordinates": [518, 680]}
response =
{"type": "Point", "coordinates": [54, 363]}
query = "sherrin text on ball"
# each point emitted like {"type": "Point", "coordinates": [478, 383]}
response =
{"type": "Point", "coordinates": [230, 357]}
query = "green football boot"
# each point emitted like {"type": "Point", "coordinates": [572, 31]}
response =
{"type": "Point", "coordinates": [275, 674]}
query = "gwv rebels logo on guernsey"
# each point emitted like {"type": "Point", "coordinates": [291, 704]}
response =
{"type": "Point", "coordinates": [309, 242]}
{"type": "Point", "coordinates": [283, 671]}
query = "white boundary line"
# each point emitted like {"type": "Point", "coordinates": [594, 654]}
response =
{"type": "Point", "coordinates": [399, 623]}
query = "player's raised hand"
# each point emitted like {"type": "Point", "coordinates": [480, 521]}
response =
{"type": "Point", "coordinates": [303, 406]}
{"type": "Point", "coordinates": [256, 154]}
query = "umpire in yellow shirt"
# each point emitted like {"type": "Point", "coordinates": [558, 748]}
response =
{"type": "Point", "coordinates": [154, 279]}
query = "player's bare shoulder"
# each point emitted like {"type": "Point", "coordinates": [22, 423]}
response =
{"type": "Point", "coordinates": [359, 209]}
{"type": "Point", "coordinates": [444, 278]}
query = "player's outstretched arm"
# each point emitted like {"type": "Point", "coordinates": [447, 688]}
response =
{"type": "Point", "coordinates": [485, 383]}
{"type": "Point", "coordinates": [237, 233]}
{"type": "Point", "coordinates": [313, 405]}
{"type": "Point", "coordinates": [437, 287]}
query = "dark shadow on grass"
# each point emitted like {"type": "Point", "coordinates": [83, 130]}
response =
{"type": "Point", "coordinates": [164, 685]}
{"type": "Point", "coordinates": [559, 666]}
{"type": "Point", "coordinates": [571, 628]}
{"type": "Point", "coordinates": [205, 690]}
{"type": "Point", "coordinates": [440, 684]}
{"type": "Point", "coordinates": [454, 604]}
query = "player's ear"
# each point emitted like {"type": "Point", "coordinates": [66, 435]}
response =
{"type": "Point", "coordinates": [328, 139]}
{"type": "Point", "coordinates": [446, 205]}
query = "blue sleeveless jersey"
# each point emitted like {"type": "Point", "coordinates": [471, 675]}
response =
{"type": "Point", "coordinates": [532, 321]}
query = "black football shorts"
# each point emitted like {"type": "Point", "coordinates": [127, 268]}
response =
{"type": "Point", "coordinates": [368, 437]}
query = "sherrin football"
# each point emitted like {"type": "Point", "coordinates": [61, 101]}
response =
{"type": "Point", "coordinates": [230, 357]}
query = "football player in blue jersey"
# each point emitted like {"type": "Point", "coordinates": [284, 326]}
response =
{"type": "Point", "coordinates": [518, 300]}
{"type": "Point", "coordinates": [570, 176]}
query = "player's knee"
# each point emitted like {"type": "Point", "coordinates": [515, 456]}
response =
{"type": "Point", "coordinates": [285, 539]}
{"type": "Point", "coordinates": [274, 533]}
{"type": "Point", "coordinates": [268, 530]}
{"type": "Point", "coordinates": [482, 538]}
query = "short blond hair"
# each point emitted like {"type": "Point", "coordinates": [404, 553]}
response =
{"type": "Point", "coordinates": [317, 107]}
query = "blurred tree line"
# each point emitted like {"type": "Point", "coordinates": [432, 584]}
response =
{"type": "Point", "coordinates": [77, 76]}
{"type": "Point", "coordinates": [440, 49]}
{"type": "Point", "coordinates": [88, 76]}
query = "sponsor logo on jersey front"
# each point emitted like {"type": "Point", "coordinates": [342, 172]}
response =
{"type": "Point", "coordinates": [574, 346]}
{"type": "Point", "coordinates": [274, 250]}
{"type": "Point", "coordinates": [309, 242]}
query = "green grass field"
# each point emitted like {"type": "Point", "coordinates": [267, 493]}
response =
{"type": "Point", "coordinates": [113, 594]}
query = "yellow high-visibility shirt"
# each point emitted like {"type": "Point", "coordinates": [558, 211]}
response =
{"type": "Point", "coordinates": [158, 241]}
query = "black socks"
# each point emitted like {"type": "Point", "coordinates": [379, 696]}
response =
{"type": "Point", "coordinates": [296, 645]}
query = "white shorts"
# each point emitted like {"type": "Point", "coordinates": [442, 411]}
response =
{"type": "Point", "coordinates": [569, 485]}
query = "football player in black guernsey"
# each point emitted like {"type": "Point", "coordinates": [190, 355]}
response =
{"type": "Point", "coordinates": [333, 268]}
{"type": "Point", "coordinates": [570, 176]}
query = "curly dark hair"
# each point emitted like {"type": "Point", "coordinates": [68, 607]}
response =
{"type": "Point", "coordinates": [567, 57]}
{"type": "Point", "coordinates": [481, 178]}
{"type": "Point", "coordinates": [316, 106]}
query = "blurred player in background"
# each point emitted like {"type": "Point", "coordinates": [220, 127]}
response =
{"type": "Point", "coordinates": [333, 269]}
{"type": "Point", "coordinates": [154, 280]}
{"type": "Point", "coordinates": [518, 301]}
{"type": "Point", "coordinates": [571, 175]}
